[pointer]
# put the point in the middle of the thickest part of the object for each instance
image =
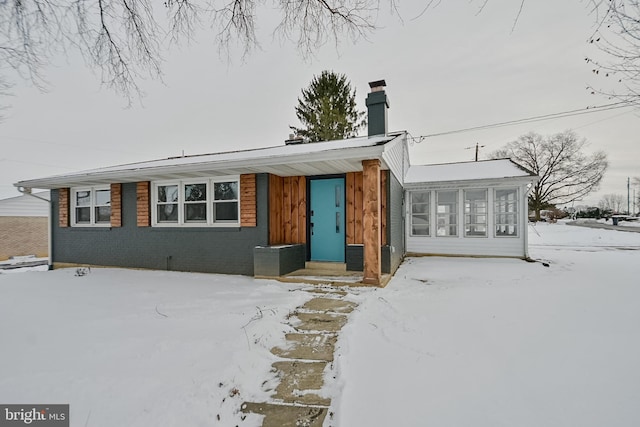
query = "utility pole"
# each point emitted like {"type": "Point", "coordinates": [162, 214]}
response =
{"type": "Point", "coordinates": [628, 193]}
{"type": "Point", "coordinates": [478, 147]}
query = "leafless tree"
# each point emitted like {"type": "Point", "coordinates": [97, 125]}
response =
{"type": "Point", "coordinates": [123, 40]}
{"type": "Point", "coordinates": [612, 202]}
{"type": "Point", "coordinates": [565, 172]}
{"type": "Point", "coordinates": [618, 36]}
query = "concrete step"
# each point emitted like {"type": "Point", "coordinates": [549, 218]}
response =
{"type": "Point", "coordinates": [298, 381]}
{"type": "Point", "coordinates": [329, 305]}
{"type": "Point", "coordinates": [324, 322]}
{"type": "Point", "coordinates": [308, 347]}
{"type": "Point", "coordinates": [286, 415]}
{"type": "Point", "coordinates": [325, 266]}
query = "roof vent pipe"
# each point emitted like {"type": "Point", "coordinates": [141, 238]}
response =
{"type": "Point", "coordinates": [377, 106]}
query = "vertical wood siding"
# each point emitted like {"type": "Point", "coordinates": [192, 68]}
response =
{"type": "Point", "coordinates": [116, 205]}
{"type": "Point", "coordinates": [143, 204]}
{"type": "Point", "coordinates": [354, 207]}
{"type": "Point", "coordinates": [287, 210]}
{"type": "Point", "coordinates": [63, 207]}
{"type": "Point", "coordinates": [248, 216]}
{"type": "Point", "coordinates": [371, 222]}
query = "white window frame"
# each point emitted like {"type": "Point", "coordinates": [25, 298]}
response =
{"type": "Point", "coordinates": [455, 212]}
{"type": "Point", "coordinates": [515, 213]}
{"type": "Point", "coordinates": [471, 214]}
{"type": "Point", "coordinates": [92, 206]}
{"type": "Point", "coordinates": [182, 222]}
{"type": "Point", "coordinates": [428, 212]}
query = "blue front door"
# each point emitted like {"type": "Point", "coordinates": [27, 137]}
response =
{"type": "Point", "coordinates": [327, 219]}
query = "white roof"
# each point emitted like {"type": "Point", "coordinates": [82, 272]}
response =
{"type": "Point", "coordinates": [318, 158]}
{"type": "Point", "coordinates": [467, 171]}
{"type": "Point", "coordinates": [25, 205]}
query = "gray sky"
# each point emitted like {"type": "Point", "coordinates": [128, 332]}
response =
{"type": "Point", "coordinates": [446, 70]}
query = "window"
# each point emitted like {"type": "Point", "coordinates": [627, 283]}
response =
{"type": "Point", "coordinates": [195, 203]}
{"type": "Point", "coordinates": [167, 205]}
{"type": "Point", "coordinates": [447, 213]}
{"type": "Point", "coordinates": [475, 213]}
{"type": "Point", "coordinates": [225, 201]}
{"type": "Point", "coordinates": [420, 213]}
{"type": "Point", "coordinates": [506, 212]}
{"type": "Point", "coordinates": [207, 202]}
{"type": "Point", "coordinates": [91, 206]}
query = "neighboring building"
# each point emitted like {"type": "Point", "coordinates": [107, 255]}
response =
{"type": "Point", "coordinates": [357, 202]}
{"type": "Point", "coordinates": [23, 226]}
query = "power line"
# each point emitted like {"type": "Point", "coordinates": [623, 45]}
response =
{"type": "Point", "coordinates": [533, 119]}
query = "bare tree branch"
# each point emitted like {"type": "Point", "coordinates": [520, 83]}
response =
{"type": "Point", "coordinates": [123, 40]}
{"type": "Point", "coordinates": [565, 172]}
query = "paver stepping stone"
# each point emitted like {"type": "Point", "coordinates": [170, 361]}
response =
{"type": "Point", "coordinates": [298, 381]}
{"type": "Point", "coordinates": [308, 346]}
{"type": "Point", "coordinates": [287, 415]}
{"type": "Point", "coordinates": [329, 305]}
{"type": "Point", "coordinates": [325, 322]}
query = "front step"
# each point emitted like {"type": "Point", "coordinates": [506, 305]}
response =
{"type": "Point", "coordinates": [325, 266]}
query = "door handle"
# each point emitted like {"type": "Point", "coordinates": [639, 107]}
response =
{"type": "Point", "coordinates": [311, 224]}
{"type": "Point", "coordinates": [337, 222]}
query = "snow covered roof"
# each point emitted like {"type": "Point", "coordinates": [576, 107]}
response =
{"type": "Point", "coordinates": [467, 171]}
{"type": "Point", "coordinates": [319, 158]}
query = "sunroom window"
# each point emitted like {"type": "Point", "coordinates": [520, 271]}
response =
{"type": "Point", "coordinates": [420, 213]}
{"type": "Point", "coordinates": [506, 212]}
{"type": "Point", "coordinates": [203, 202]}
{"type": "Point", "coordinates": [447, 213]}
{"type": "Point", "coordinates": [91, 206]}
{"type": "Point", "coordinates": [475, 213]}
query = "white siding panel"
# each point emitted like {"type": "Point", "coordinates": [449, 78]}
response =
{"type": "Point", "coordinates": [25, 206]}
{"type": "Point", "coordinates": [489, 246]}
{"type": "Point", "coordinates": [393, 156]}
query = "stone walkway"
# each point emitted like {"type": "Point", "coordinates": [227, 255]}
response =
{"type": "Point", "coordinates": [295, 400]}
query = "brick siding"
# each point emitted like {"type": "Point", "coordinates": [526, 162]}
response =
{"type": "Point", "coordinates": [116, 205]}
{"type": "Point", "coordinates": [63, 214]}
{"type": "Point", "coordinates": [23, 236]}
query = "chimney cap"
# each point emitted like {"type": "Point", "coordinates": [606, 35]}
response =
{"type": "Point", "coordinates": [377, 83]}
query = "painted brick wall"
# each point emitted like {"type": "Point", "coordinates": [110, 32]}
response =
{"type": "Point", "coordinates": [23, 236]}
{"type": "Point", "coordinates": [395, 218]}
{"type": "Point", "coordinates": [206, 249]}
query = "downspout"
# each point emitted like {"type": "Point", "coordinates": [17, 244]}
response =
{"type": "Point", "coordinates": [27, 191]}
{"type": "Point", "coordinates": [525, 209]}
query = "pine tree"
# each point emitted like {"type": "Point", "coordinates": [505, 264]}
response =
{"type": "Point", "coordinates": [327, 109]}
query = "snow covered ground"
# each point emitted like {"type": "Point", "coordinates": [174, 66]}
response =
{"type": "Point", "coordinates": [449, 342]}
{"type": "Point", "coordinates": [499, 342]}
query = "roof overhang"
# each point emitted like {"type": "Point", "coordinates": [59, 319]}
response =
{"type": "Point", "coordinates": [323, 158]}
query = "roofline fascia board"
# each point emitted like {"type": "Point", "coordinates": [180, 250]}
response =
{"type": "Point", "coordinates": [352, 153]}
{"type": "Point", "coordinates": [470, 183]}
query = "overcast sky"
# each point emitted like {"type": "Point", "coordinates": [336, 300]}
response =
{"type": "Point", "coordinates": [448, 69]}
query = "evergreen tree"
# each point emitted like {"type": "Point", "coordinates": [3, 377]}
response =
{"type": "Point", "coordinates": [327, 109]}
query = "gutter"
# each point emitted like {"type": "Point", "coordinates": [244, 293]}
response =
{"type": "Point", "coordinates": [27, 192]}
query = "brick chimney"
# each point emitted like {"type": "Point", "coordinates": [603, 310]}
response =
{"type": "Point", "coordinates": [377, 105]}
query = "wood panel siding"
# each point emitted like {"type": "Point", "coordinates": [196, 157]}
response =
{"type": "Point", "coordinates": [276, 234]}
{"type": "Point", "coordinates": [287, 210]}
{"type": "Point", "coordinates": [354, 207]}
{"type": "Point", "coordinates": [116, 205]}
{"type": "Point", "coordinates": [248, 217]}
{"type": "Point", "coordinates": [63, 207]}
{"type": "Point", "coordinates": [371, 222]}
{"type": "Point", "coordinates": [143, 203]}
